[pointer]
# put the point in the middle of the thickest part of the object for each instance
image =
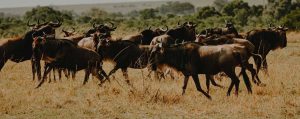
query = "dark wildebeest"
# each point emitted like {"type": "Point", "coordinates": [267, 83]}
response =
{"type": "Point", "coordinates": [192, 59]}
{"type": "Point", "coordinates": [125, 54]}
{"type": "Point", "coordinates": [102, 28]}
{"type": "Point", "coordinates": [184, 32]}
{"type": "Point", "coordinates": [145, 37]}
{"type": "Point", "coordinates": [92, 40]}
{"type": "Point", "coordinates": [229, 39]}
{"type": "Point", "coordinates": [229, 29]}
{"type": "Point", "coordinates": [66, 54]}
{"type": "Point", "coordinates": [20, 49]}
{"type": "Point", "coordinates": [265, 41]}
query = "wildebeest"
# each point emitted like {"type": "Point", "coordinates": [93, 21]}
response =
{"type": "Point", "coordinates": [265, 41]}
{"type": "Point", "coordinates": [229, 39]}
{"type": "Point", "coordinates": [66, 54]}
{"type": "Point", "coordinates": [145, 37]}
{"type": "Point", "coordinates": [184, 32]}
{"type": "Point", "coordinates": [125, 54]}
{"type": "Point", "coordinates": [229, 29]}
{"type": "Point", "coordinates": [20, 49]}
{"type": "Point", "coordinates": [102, 28]}
{"type": "Point", "coordinates": [192, 59]}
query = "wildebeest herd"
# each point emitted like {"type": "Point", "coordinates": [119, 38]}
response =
{"type": "Point", "coordinates": [208, 52]}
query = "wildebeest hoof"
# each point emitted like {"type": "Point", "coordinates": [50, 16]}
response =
{"type": "Point", "coordinates": [183, 93]}
{"type": "Point", "coordinates": [100, 84]}
{"type": "Point", "coordinates": [127, 81]}
{"type": "Point", "coordinates": [209, 97]}
{"type": "Point", "coordinates": [236, 94]}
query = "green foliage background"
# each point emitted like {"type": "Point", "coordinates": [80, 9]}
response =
{"type": "Point", "coordinates": [244, 16]}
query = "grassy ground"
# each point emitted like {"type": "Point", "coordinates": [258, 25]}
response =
{"type": "Point", "coordinates": [153, 99]}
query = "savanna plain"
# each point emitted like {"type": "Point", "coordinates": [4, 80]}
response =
{"type": "Point", "coordinates": [149, 98]}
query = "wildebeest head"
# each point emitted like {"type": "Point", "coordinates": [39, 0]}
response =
{"type": "Point", "coordinates": [160, 31]}
{"type": "Point", "coordinates": [184, 32]}
{"type": "Point", "coordinates": [47, 28]}
{"type": "Point", "coordinates": [157, 50]}
{"type": "Point", "coordinates": [281, 30]}
{"type": "Point", "coordinates": [102, 28]}
{"type": "Point", "coordinates": [230, 29]}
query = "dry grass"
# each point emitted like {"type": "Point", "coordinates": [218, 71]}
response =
{"type": "Point", "coordinates": [150, 98]}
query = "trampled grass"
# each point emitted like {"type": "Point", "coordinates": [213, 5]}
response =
{"type": "Point", "coordinates": [153, 99]}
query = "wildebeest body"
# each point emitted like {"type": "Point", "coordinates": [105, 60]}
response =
{"type": "Point", "coordinates": [125, 54]}
{"type": "Point", "coordinates": [192, 59]}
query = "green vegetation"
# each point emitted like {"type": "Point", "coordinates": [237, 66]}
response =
{"type": "Point", "coordinates": [244, 16]}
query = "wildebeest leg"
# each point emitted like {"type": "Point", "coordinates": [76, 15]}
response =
{"type": "Point", "coordinates": [33, 68]}
{"type": "Point", "coordinates": [170, 72]}
{"type": "Point", "coordinates": [211, 78]}
{"type": "Point", "coordinates": [198, 86]}
{"type": "Point", "coordinates": [246, 80]}
{"type": "Point", "coordinates": [234, 81]}
{"type": "Point", "coordinates": [46, 72]}
{"type": "Point", "coordinates": [125, 74]}
{"type": "Point", "coordinates": [254, 75]}
{"type": "Point", "coordinates": [112, 72]}
{"type": "Point", "coordinates": [102, 74]}
{"type": "Point", "coordinates": [86, 76]}
{"type": "Point", "coordinates": [2, 62]}
{"type": "Point", "coordinates": [54, 76]}
{"type": "Point", "coordinates": [36, 69]}
{"type": "Point", "coordinates": [73, 72]}
{"type": "Point", "coordinates": [186, 79]}
{"type": "Point", "coordinates": [59, 71]}
{"type": "Point", "coordinates": [257, 63]}
{"type": "Point", "coordinates": [265, 66]}
{"type": "Point", "coordinates": [67, 73]}
{"type": "Point", "coordinates": [207, 83]}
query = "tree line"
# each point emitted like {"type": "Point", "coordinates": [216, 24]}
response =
{"type": "Point", "coordinates": [244, 16]}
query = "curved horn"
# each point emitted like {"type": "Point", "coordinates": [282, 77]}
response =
{"type": "Point", "coordinates": [56, 24]}
{"type": "Point", "coordinates": [165, 30]}
{"type": "Point", "coordinates": [113, 27]}
{"type": "Point", "coordinates": [30, 25]}
{"type": "Point", "coordinates": [149, 28]}
{"type": "Point", "coordinates": [43, 24]}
